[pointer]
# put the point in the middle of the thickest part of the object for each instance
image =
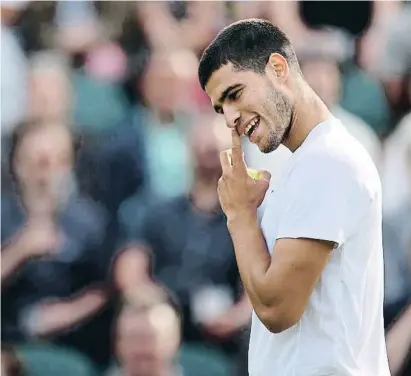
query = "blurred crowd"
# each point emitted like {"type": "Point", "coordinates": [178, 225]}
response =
{"type": "Point", "coordinates": [116, 259]}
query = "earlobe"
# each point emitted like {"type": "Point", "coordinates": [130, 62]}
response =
{"type": "Point", "coordinates": [278, 65]}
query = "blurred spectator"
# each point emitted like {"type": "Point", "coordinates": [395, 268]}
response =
{"type": "Point", "coordinates": [13, 69]}
{"type": "Point", "coordinates": [100, 103]}
{"type": "Point", "coordinates": [160, 127]}
{"type": "Point", "coordinates": [193, 251]}
{"type": "Point", "coordinates": [147, 335]}
{"type": "Point", "coordinates": [165, 122]}
{"type": "Point", "coordinates": [366, 20]}
{"type": "Point", "coordinates": [53, 256]}
{"type": "Point", "coordinates": [50, 90]}
{"type": "Point", "coordinates": [177, 24]}
{"type": "Point", "coordinates": [396, 175]}
{"type": "Point", "coordinates": [131, 268]}
{"type": "Point", "coordinates": [394, 63]}
{"type": "Point", "coordinates": [10, 363]}
{"type": "Point", "coordinates": [364, 96]}
{"type": "Point", "coordinates": [323, 75]}
{"type": "Point", "coordinates": [399, 344]}
{"type": "Point", "coordinates": [78, 27]}
{"type": "Point", "coordinates": [397, 251]}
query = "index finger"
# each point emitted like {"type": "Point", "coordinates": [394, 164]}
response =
{"type": "Point", "coordinates": [237, 150]}
{"type": "Point", "coordinates": [225, 161]}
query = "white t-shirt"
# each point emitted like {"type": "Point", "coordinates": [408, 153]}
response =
{"type": "Point", "coordinates": [330, 190]}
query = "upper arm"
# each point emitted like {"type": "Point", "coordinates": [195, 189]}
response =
{"type": "Point", "coordinates": [326, 199]}
{"type": "Point", "coordinates": [296, 266]}
{"type": "Point", "coordinates": [323, 205]}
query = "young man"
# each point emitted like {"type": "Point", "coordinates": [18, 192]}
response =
{"type": "Point", "coordinates": [313, 268]}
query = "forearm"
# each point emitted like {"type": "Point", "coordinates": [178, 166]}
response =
{"type": "Point", "coordinates": [11, 259]}
{"type": "Point", "coordinates": [253, 261]}
{"type": "Point", "coordinates": [399, 342]}
{"type": "Point", "coordinates": [53, 317]}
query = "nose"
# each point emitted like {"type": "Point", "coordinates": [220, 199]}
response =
{"type": "Point", "coordinates": [232, 116]}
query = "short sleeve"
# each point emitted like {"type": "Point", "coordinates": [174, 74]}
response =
{"type": "Point", "coordinates": [324, 201]}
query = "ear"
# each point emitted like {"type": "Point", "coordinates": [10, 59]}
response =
{"type": "Point", "coordinates": [277, 67]}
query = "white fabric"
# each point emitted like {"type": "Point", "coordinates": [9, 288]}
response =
{"type": "Point", "coordinates": [276, 161]}
{"type": "Point", "coordinates": [362, 132]}
{"type": "Point", "coordinates": [13, 81]}
{"type": "Point", "coordinates": [330, 190]}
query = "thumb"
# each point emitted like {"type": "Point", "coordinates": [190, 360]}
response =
{"type": "Point", "coordinates": [264, 175]}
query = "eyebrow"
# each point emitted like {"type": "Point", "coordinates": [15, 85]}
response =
{"type": "Point", "coordinates": [224, 95]}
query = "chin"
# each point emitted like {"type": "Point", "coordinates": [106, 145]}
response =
{"type": "Point", "coordinates": [266, 149]}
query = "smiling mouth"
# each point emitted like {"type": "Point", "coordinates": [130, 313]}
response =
{"type": "Point", "coordinates": [249, 130]}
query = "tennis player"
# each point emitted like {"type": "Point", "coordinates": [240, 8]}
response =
{"type": "Point", "coordinates": [313, 267]}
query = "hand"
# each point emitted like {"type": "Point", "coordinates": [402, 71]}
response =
{"type": "Point", "coordinates": [40, 238]}
{"type": "Point", "coordinates": [237, 191]}
{"type": "Point", "coordinates": [226, 325]}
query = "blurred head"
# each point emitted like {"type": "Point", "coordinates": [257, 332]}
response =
{"type": "Point", "coordinates": [168, 82]}
{"type": "Point", "coordinates": [323, 76]}
{"type": "Point", "coordinates": [11, 9]}
{"type": "Point", "coordinates": [50, 87]}
{"type": "Point", "coordinates": [249, 72]}
{"type": "Point", "coordinates": [42, 158]}
{"type": "Point", "coordinates": [147, 336]}
{"type": "Point", "coordinates": [206, 145]}
{"type": "Point", "coordinates": [131, 267]}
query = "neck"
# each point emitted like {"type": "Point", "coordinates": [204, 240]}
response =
{"type": "Point", "coordinates": [38, 205]}
{"type": "Point", "coordinates": [204, 193]}
{"type": "Point", "coordinates": [308, 112]}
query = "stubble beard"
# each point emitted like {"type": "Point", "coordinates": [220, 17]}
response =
{"type": "Point", "coordinates": [279, 109]}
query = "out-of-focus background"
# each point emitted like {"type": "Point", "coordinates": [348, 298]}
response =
{"type": "Point", "coordinates": [116, 259]}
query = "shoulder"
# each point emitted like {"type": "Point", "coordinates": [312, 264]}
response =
{"type": "Point", "coordinates": [87, 214]}
{"type": "Point", "coordinates": [335, 158]}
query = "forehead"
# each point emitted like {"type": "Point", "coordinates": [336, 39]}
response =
{"type": "Point", "coordinates": [48, 139]}
{"type": "Point", "coordinates": [227, 76]}
{"type": "Point", "coordinates": [132, 321]}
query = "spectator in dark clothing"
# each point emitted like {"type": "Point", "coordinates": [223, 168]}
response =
{"type": "Point", "coordinates": [192, 249]}
{"type": "Point", "coordinates": [53, 257]}
{"type": "Point", "coordinates": [397, 253]}
{"type": "Point", "coordinates": [146, 336]}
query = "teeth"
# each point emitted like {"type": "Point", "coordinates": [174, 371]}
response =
{"type": "Point", "coordinates": [250, 125]}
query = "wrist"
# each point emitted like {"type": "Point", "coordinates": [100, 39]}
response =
{"type": "Point", "coordinates": [241, 220]}
{"type": "Point", "coordinates": [24, 247]}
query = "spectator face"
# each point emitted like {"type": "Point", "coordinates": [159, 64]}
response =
{"type": "Point", "coordinates": [168, 83]}
{"type": "Point", "coordinates": [131, 268]}
{"type": "Point", "coordinates": [43, 160]}
{"type": "Point", "coordinates": [147, 341]}
{"type": "Point", "coordinates": [207, 145]}
{"type": "Point", "coordinates": [49, 93]}
{"type": "Point", "coordinates": [324, 77]}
